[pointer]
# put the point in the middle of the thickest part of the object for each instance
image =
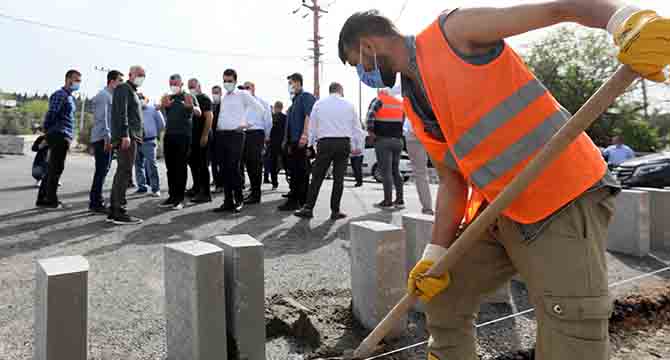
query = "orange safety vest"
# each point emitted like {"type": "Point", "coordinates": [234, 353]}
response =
{"type": "Point", "coordinates": [391, 110]}
{"type": "Point", "coordinates": [495, 119]}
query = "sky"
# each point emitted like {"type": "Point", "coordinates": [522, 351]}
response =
{"type": "Point", "coordinates": [262, 40]}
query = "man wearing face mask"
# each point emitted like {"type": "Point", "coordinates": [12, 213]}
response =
{"type": "Point", "coordinates": [58, 126]}
{"type": "Point", "coordinates": [297, 131]}
{"type": "Point", "coordinates": [146, 167]}
{"type": "Point", "coordinates": [256, 136]}
{"type": "Point", "coordinates": [235, 106]}
{"type": "Point", "coordinates": [127, 134]}
{"type": "Point", "coordinates": [202, 124]}
{"type": "Point", "coordinates": [482, 116]}
{"type": "Point", "coordinates": [179, 107]}
{"type": "Point", "coordinates": [217, 172]}
{"type": "Point", "coordinates": [101, 140]}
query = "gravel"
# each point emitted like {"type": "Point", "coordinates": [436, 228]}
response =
{"type": "Point", "coordinates": [126, 313]}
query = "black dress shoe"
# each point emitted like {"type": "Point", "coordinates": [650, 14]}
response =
{"type": "Point", "coordinates": [358, 185]}
{"type": "Point", "coordinates": [288, 195]}
{"type": "Point", "coordinates": [190, 193]}
{"type": "Point", "coordinates": [337, 216]}
{"type": "Point", "coordinates": [226, 207]}
{"type": "Point", "coordinates": [304, 213]}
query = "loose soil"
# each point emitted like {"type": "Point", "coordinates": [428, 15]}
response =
{"type": "Point", "coordinates": [320, 325]}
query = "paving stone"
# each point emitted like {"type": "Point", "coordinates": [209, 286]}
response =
{"type": "Point", "coordinates": [245, 294]}
{"type": "Point", "coordinates": [659, 209]}
{"type": "Point", "coordinates": [378, 275]}
{"type": "Point", "coordinates": [629, 232]}
{"type": "Point", "coordinates": [61, 305]}
{"type": "Point", "coordinates": [195, 301]}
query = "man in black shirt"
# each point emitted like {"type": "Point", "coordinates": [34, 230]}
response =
{"type": "Point", "coordinates": [198, 159]}
{"type": "Point", "coordinates": [274, 148]}
{"type": "Point", "coordinates": [179, 107]}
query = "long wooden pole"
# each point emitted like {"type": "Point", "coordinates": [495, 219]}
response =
{"type": "Point", "coordinates": [593, 108]}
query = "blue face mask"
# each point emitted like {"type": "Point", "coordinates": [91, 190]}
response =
{"type": "Point", "coordinates": [75, 86]}
{"type": "Point", "coordinates": [372, 78]}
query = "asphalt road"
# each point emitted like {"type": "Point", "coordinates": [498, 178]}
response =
{"type": "Point", "coordinates": [126, 317]}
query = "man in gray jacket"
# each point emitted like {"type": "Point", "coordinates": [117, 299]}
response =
{"type": "Point", "coordinates": [127, 132]}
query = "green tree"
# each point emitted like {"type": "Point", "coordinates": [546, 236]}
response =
{"type": "Point", "coordinates": [573, 64]}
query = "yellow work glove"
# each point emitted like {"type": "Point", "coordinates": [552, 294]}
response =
{"type": "Point", "coordinates": [643, 38]}
{"type": "Point", "coordinates": [427, 287]}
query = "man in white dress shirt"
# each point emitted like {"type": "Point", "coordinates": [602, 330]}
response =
{"type": "Point", "coordinates": [257, 134]}
{"type": "Point", "coordinates": [333, 124]}
{"type": "Point", "coordinates": [235, 106]}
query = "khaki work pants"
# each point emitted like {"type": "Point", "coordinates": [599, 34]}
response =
{"type": "Point", "coordinates": [565, 270]}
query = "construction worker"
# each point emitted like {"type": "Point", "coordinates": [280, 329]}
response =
{"type": "Point", "coordinates": [482, 115]}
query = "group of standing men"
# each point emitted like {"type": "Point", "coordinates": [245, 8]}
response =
{"type": "Point", "coordinates": [229, 132]}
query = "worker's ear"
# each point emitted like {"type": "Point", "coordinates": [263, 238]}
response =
{"type": "Point", "coordinates": [368, 46]}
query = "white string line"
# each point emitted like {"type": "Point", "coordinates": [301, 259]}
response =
{"type": "Point", "coordinates": [613, 285]}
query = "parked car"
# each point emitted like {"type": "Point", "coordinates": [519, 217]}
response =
{"type": "Point", "coordinates": [646, 171]}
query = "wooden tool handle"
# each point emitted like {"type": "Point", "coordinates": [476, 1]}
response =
{"type": "Point", "coordinates": [593, 108]}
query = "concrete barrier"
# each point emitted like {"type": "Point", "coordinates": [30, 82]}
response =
{"type": "Point", "coordinates": [61, 305]}
{"type": "Point", "coordinates": [659, 210]}
{"type": "Point", "coordinates": [195, 301]}
{"type": "Point", "coordinates": [630, 230]}
{"type": "Point", "coordinates": [378, 275]}
{"type": "Point", "coordinates": [245, 294]}
{"type": "Point", "coordinates": [13, 145]}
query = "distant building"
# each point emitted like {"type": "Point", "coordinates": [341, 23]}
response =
{"type": "Point", "coordinates": [8, 104]}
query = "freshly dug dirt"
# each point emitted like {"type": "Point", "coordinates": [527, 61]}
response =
{"type": "Point", "coordinates": [320, 325]}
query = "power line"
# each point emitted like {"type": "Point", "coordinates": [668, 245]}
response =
{"type": "Point", "coordinates": [402, 10]}
{"type": "Point", "coordinates": [140, 43]}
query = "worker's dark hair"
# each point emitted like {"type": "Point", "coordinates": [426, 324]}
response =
{"type": "Point", "coordinates": [279, 104]}
{"type": "Point", "coordinates": [366, 23]}
{"type": "Point", "coordinates": [113, 75]}
{"type": "Point", "coordinates": [216, 87]}
{"type": "Point", "coordinates": [230, 72]}
{"type": "Point", "coordinates": [335, 88]}
{"type": "Point", "coordinates": [297, 77]}
{"type": "Point", "coordinates": [70, 73]}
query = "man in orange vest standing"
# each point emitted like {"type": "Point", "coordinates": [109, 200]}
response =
{"type": "Point", "coordinates": [385, 126]}
{"type": "Point", "coordinates": [482, 115]}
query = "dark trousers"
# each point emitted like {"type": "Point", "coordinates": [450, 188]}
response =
{"type": "Point", "coordinates": [103, 161]}
{"type": "Point", "coordinates": [388, 150]}
{"type": "Point", "coordinates": [199, 168]}
{"type": "Point", "coordinates": [217, 170]}
{"type": "Point", "coordinates": [125, 160]}
{"type": "Point", "coordinates": [283, 154]}
{"type": "Point", "coordinates": [253, 159]}
{"type": "Point", "coordinates": [273, 156]}
{"type": "Point", "coordinates": [357, 167]}
{"type": "Point", "coordinates": [58, 147]}
{"type": "Point", "coordinates": [175, 150]}
{"type": "Point", "coordinates": [299, 172]}
{"type": "Point", "coordinates": [230, 145]}
{"type": "Point", "coordinates": [329, 151]}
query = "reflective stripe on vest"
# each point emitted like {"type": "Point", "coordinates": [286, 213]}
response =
{"type": "Point", "coordinates": [519, 151]}
{"type": "Point", "coordinates": [501, 114]}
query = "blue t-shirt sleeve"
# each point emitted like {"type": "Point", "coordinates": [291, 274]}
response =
{"type": "Point", "coordinates": [308, 103]}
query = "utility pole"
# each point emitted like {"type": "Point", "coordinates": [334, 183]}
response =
{"type": "Point", "coordinates": [316, 41]}
{"type": "Point", "coordinates": [645, 100]}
